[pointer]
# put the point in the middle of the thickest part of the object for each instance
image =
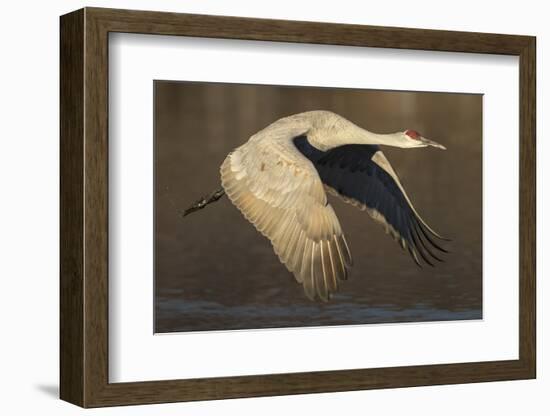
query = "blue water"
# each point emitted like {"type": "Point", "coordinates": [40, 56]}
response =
{"type": "Point", "coordinates": [197, 315]}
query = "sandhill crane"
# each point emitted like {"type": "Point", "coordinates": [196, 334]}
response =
{"type": "Point", "coordinates": [278, 179]}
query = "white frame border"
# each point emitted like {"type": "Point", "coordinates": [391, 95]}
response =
{"type": "Point", "coordinates": [136, 355]}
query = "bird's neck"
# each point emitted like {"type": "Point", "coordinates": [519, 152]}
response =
{"type": "Point", "coordinates": [352, 135]}
{"type": "Point", "coordinates": [363, 136]}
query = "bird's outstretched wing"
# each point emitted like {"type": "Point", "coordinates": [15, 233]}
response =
{"type": "Point", "coordinates": [279, 191]}
{"type": "Point", "coordinates": [362, 176]}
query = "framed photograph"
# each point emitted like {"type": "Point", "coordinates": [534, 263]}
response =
{"type": "Point", "coordinates": [262, 207]}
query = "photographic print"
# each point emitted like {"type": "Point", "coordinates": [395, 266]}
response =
{"type": "Point", "coordinates": [291, 206]}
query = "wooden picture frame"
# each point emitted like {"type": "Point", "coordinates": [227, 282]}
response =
{"type": "Point", "coordinates": [84, 207]}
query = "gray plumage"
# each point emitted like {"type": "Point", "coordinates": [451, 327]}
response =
{"type": "Point", "coordinates": [278, 179]}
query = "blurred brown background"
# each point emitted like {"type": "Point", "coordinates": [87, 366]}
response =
{"type": "Point", "coordinates": [214, 271]}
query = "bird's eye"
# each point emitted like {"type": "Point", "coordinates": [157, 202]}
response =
{"type": "Point", "coordinates": [413, 134]}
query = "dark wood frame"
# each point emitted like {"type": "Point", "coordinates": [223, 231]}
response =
{"type": "Point", "coordinates": [84, 213]}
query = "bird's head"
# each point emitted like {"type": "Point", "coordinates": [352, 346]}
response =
{"type": "Point", "coordinates": [411, 138]}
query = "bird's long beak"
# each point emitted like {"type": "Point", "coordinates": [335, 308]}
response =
{"type": "Point", "coordinates": [432, 143]}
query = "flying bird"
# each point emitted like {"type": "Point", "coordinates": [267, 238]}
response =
{"type": "Point", "coordinates": [279, 180]}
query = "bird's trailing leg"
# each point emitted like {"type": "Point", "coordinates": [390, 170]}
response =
{"type": "Point", "coordinates": [204, 201]}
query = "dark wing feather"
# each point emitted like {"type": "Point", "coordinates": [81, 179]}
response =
{"type": "Point", "coordinates": [350, 172]}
